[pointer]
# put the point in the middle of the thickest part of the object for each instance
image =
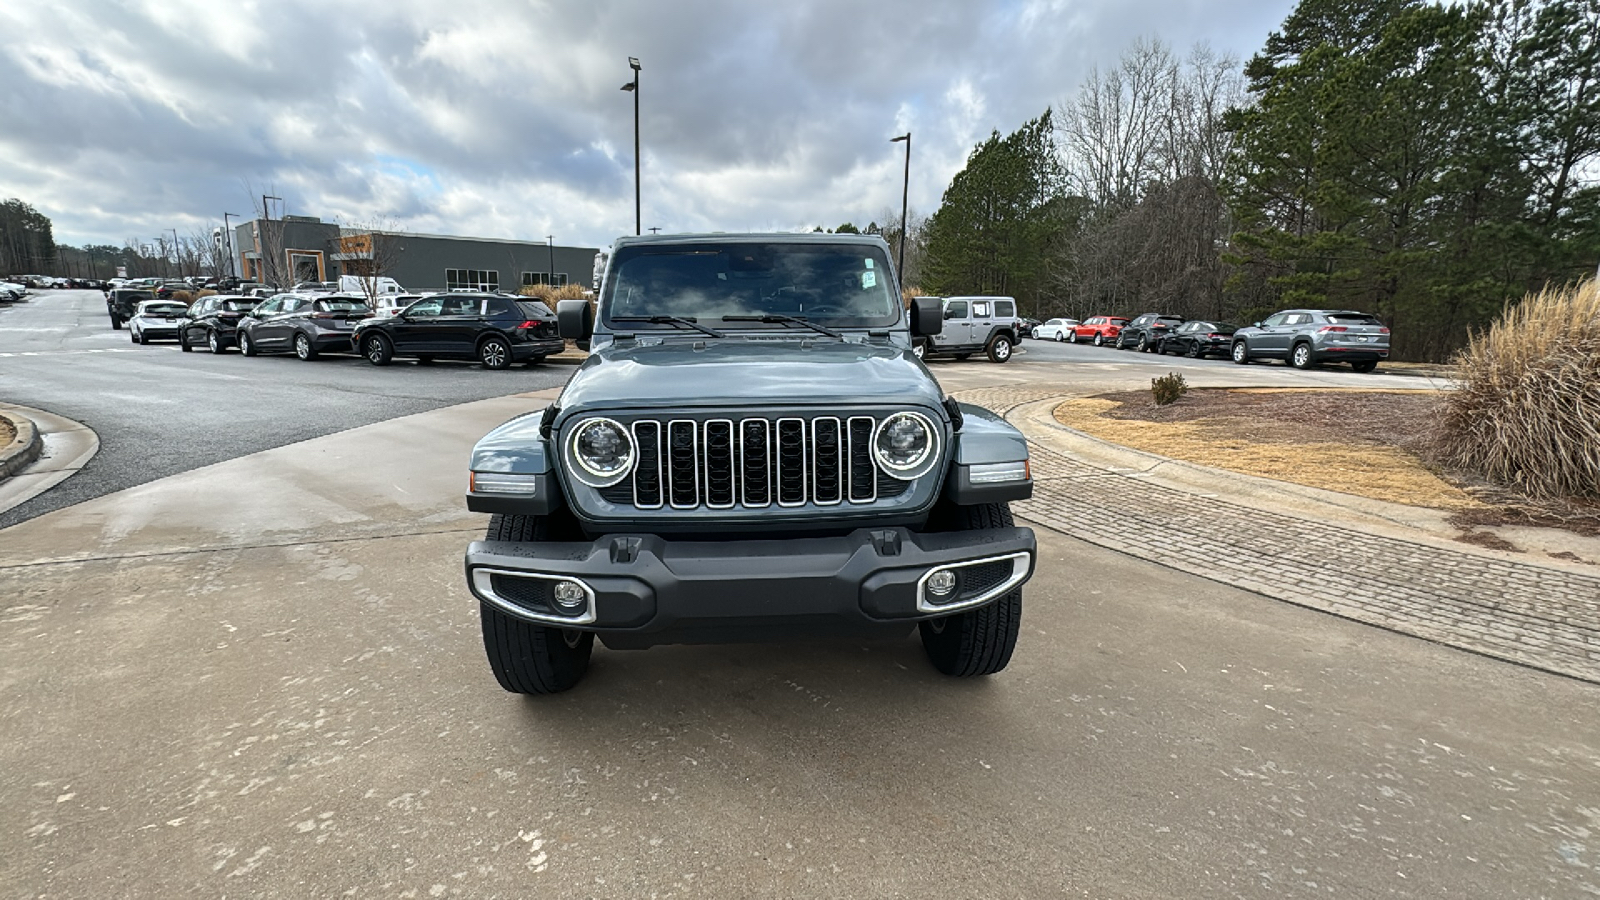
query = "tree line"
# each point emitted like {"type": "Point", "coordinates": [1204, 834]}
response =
{"type": "Point", "coordinates": [1424, 162]}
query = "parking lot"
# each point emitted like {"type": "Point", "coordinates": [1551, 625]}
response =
{"type": "Point", "coordinates": [258, 664]}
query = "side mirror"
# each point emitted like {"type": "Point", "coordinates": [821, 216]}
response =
{"type": "Point", "coordinates": [926, 316]}
{"type": "Point", "coordinates": [574, 319]}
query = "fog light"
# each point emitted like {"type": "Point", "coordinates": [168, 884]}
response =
{"type": "Point", "coordinates": [570, 595]}
{"type": "Point", "coordinates": [941, 583]}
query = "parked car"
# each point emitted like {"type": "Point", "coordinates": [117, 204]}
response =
{"type": "Point", "coordinates": [12, 291]}
{"type": "Point", "coordinates": [302, 324]}
{"type": "Point", "coordinates": [392, 304]}
{"type": "Point", "coordinates": [495, 329]}
{"type": "Point", "coordinates": [1145, 332]}
{"type": "Point", "coordinates": [738, 389]}
{"type": "Point", "coordinates": [168, 288]}
{"type": "Point", "coordinates": [974, 325]}
{"type": "Point", "coordinates": [1053, 329]}
{"type": "Point", "coordinates": [1097, 329]}
{"type": "Point", "coordinates": [123, 302]}
{"type": "Point", "coordinates": [156, 320]}
{"type": "Point", "coordinates": [1306, 337]}
{"type": "Point", "coordinates": [1198, 339]}
{"type": "Point", "coordinates": [214, 322]}
{"type": "Point", "coordinates": [315, 287]}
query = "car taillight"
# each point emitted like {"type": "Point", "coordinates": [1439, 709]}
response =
{"type": "Point", "coordinates": [529, 324]}
{"type": "Point", "coordinates": [1327, 328]}
{"type": "Point", "coordinates": [326, 315]}
{"type": "Point", "coordinates": [1214, 335]}
{"type": "Point", "coordinates": [1383, 331]}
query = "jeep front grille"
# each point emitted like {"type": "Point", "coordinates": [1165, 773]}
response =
{"type": "Point", "coordinates": [754, 463]}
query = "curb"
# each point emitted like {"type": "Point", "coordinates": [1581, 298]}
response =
{"type": "Point", "coordinates": [23, 449]}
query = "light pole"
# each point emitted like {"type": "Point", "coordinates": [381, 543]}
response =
{"type": "Point", "coordinates": [550, 240]}
{"type": "Point", "coordinates": [227, 243]}
{"type": "Point", "coordinates": [905, 192]}
{"type": "Point", "coordinates": [632, 87]}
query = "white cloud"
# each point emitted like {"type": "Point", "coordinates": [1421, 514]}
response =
{"type": "Point", "coordinates": [504, 119]}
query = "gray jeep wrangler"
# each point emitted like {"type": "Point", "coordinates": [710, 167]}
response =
{"type": "Point", "coordinates": [987, 325]}
{"type": "Point", "coordinates": [750, 451]}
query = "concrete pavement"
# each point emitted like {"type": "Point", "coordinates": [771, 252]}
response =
{"type": "Point", "coordinates": [266, 675]}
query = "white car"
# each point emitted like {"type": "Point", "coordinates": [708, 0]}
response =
{"type": "Point", "coordinates": [10, 290]}
{"type": "Point", "coordinates": [156, 320]}
{"type": "Point", "coordinates": [391, 304]}
{"type": "Point", "coordinates": [1054, 330]}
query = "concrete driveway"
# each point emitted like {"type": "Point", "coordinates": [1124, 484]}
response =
{"type": "Point", "coordinates": [264, 678]}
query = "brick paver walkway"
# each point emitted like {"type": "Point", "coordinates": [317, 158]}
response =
{"type": "Point", "coordinates": [1536, 616]}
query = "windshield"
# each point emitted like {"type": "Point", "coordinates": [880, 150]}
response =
{"type": "Point", "coordinates": [239, 305]}
{"type": "Point", "coordinates": [841, 285]}
{"type": "Point", "coordinates": [341, 306]}
{"type": "Point", "coordinates": [152, 309]}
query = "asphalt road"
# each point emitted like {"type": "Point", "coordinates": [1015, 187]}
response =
{"type": "Point", "coordinates": [159, 411]}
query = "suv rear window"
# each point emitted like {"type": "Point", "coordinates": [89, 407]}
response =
{"type": "Point", "coordinates": [339, 306]}
{"type": "Point", "coordinates": [1353, 319]}
{"type": "Point", "coordinates": [533, 309]}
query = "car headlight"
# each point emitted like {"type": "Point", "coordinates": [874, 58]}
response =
{"type": "Point", "coordinates": [906, 445]}
{"type": "Point", "coordinates": [602, 452]}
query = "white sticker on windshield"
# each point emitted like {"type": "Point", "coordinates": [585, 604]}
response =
{"type": "Point", "coordinates": [868, 279]}
{"type": "Point", "coordinates": [868, 262]}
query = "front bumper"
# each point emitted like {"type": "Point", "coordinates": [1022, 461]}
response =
{"type": "Point", "coordinates": [642, 590]}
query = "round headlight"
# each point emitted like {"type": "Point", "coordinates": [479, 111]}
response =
{"type": "Point", "coordinates": [906, 445]}
{"type": "Point", "coordinates": [602, 451]}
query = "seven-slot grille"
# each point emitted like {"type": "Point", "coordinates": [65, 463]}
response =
{"type": "Point", "coordinates": [786, 461]}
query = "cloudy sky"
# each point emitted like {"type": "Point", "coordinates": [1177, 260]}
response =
{"type": "Point", "coordinates": [492, 118]}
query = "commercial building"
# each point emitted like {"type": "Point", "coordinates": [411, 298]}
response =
{"type": "Point", "coordinates": [293, 249]}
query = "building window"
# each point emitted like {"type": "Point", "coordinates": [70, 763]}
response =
{"type": "Point", "coordinates": [472, 279]}
{"type": "Point", "coordinates": [532, 278]}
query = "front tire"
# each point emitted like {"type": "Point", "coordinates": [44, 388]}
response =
{"type": "Point", "coordinates": [183, 342]}
{"type": "Point", "coordinates": [214, 342]}
{"type": "Point", "coordinates": [978, 641]}
{"type": "Point", "coordinates": [375, 347]}
{"type": "Point", "coordinates": [303, 348]}
{"type": "Point", "coordinates": [139, 338]}
{"type": "Point", "coordinates": [246, 346]}
{"type": "Point", "coordinates": [1144, 344]}
{"type": "Point", "coordinates": [494, 353]}
{"type": "Point", "coordinates": [1241, 353]}
{"type": "Point", "coordinates": [528, 658]}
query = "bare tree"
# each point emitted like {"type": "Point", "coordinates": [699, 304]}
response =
{"type": "Point", "coordinates": [371, 250]}
{"type": "Point", "coordinates": [1113, 131]}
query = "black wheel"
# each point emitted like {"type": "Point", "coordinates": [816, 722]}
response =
{"type": "Point", "coordinates": [494, 353]}
{"type": "Point", "coordinates": [1300, 356]}
{"type": "Point", "coordinates": [1194, 350]}
{"type": "Point", "coordinates": [116, 323]}
{"type": "Point", "coordinates": [303, 348]}
{"type": "Point", "coordinates": [1072, 337]}
{"type": "Point", "coordinates": [375, 347]}
{"type": "Point", "coordinates": [1366, 366]}
{"type": "Point", "coordinates": [1241, 353]}
{"type": "Point", "coordinates": [139, 338]}
{"type": "Point", "coordinates": [528, 658]}
{"type": "Point", "coordinates": [1099, 339]}
{"type": "Point", "coordinates": [183, 342]}
{"type": "Point", "coordinates": [999, 349]}
{"type": "Point", "coordinates": [1144, 344]}
{"type": "Point", "coordinates": [246, 346]}
{"type": "Point", "coordinates": [214, 341]}
{"type": "Point", "coordinates": [978, 641]}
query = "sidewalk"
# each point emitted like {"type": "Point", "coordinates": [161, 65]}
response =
{"type": "Point", "coordinates": [1368, 564]}
{"type": "Point", "coordinates": [63, 447]}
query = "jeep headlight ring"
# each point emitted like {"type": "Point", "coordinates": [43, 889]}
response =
{"type": "Point", "coordinates": [601, 451]}
{"type": "Point", "coordinates": [906, 445]}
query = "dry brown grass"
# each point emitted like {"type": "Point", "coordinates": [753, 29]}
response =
{"type": "Point", "coordinates": [550, 295]}
{"type": "Point", "coordinates": [1527, 414]}
{"type": "Point", "coordinates": [8, 432]}
{"type": "Point", "coordinates": [1365, 469]}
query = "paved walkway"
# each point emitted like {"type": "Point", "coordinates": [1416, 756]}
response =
{"type": "Point", "coordinates": [1533, 615]}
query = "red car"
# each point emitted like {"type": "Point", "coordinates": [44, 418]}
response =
{"type": "Point", "coordinates": [1099, 329]}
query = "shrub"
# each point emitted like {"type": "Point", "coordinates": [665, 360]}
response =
{"type": "Point", "coordinates": [1526, 412]}
{"type": "Point", "coordinates": [551, 294]}
{"type": "Point", "coordinates": [184, 297]}
{"type": "Point", "coordinates": [1168, 388]}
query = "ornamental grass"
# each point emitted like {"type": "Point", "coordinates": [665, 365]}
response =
{"type": "Point", "coordinates": [1526, 413]}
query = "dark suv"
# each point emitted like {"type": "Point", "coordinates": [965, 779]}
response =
{"type": "Point", "coordinates": [494, 329]}
{"type": "Point", "coordinates": [752, 450]}
{"type": "Point", "coordinates": [307, 326]}
{"type": "Point", "coordinates": [213, 321]}
{"type": "Point", "coordinates": [1146, 332]}
{"type": "Point", "coordinates": [122, 303]}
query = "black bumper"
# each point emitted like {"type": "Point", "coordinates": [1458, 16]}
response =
{"type": "Point", "coordinates": [643, 590]}
{"type": "Point", "coordinates": [1349, 354]}
{"type": "Point", "coordinates": [524, 351]}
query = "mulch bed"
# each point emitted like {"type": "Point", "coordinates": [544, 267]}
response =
{"type": "Point", "coordinates": [1387, 419]}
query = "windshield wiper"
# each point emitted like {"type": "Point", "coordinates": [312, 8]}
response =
{"type": "Point", "coordinates": [680, 321]}
{"type": "Point", "coordinates": [774, 318]}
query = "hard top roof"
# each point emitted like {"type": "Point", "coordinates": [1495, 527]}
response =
{"type": "Point", "coordinates": [764, 237]}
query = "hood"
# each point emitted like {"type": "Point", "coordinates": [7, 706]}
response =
{"type": "Point", "coordinates": [684, 373]}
